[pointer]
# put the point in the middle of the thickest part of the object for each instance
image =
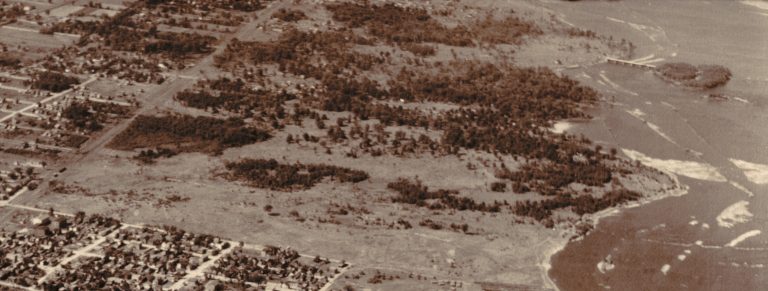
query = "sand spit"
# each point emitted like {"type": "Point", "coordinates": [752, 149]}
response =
{"type": "Point", "coordinates": [736, 213]}
{"type": "Point", "coordinates": [743, 237]}
{"type": "Point", "coordinates": [756, 173]}
{"type": "Point", "coordinates": [695, 170]}
{"type": "Point", "coordinates": [546, 263]}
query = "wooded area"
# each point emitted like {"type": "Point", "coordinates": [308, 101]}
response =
{"type": "Point", "coordinates": [270, 174]}
{"type": "Point", "coordinates": [187, 134]}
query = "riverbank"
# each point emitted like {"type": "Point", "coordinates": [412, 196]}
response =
{"type": "Point", "coordinates": [570, 233]}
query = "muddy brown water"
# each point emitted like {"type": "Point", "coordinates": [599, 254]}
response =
{"type": "Point", "coordinates": [665, 245]}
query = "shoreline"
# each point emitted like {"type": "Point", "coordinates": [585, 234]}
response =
{"type": "Point", "coordinates": [677, 189]}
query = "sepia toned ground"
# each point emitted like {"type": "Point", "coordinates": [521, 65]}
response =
{"type": "Point", "coordinates": [391, 246]}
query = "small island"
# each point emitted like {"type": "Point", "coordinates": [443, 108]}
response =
{"type": "Point", "coordinates": [699, 77]}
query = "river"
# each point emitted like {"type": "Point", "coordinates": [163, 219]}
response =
{"type": "Point", "coordinates": [716, 236]}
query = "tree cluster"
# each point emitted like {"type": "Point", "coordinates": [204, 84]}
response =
{"type": "Point", "coordinates": [702, 77]}
{"type": "Point", "coordinates": [235, 96]}
{"type": "Point", "coordinates": [413, 192]}
{"type": "Point", "coordinates": [125, 32]}
{"type": "Point", "coordinates": [270, 174]}
{"type": "Point", "coordinates": [149, 156]}
{"type": "Point", "coordinates": [580, 205]}
{"type": "Point", "coordinates": [186, 133]}
{"type": "Point", "coordinates": [90, 116]}
{"type": "Point", "coordinates": [81, 117]}
{"type": "Point", "coordinates": [9, 61]}
{"type": "Point", "coordinates": [53, 81]}
{"type": "Point", "coordinates": [399, 25]}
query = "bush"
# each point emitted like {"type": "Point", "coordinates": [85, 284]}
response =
{"type": "Point", "coordinates": [288, 15]}
{"type": "Point", "coordinates": [498, 186]}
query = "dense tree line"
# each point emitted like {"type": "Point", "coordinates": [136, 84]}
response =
{"type": "Point", "coordinates": [53, 81]}
{"type": "Point", "coordinates": [187, 133]}
{"type": "Point", "coordinates": [413, 192]}
{"type": "Point", "coordinates": [580, 205]}
{"type": "Point", "coordinates": [398, 24]}
{"type": "Point", "coordinates": [270, 174]}
{"type": "Point", "coordinates": [406, 25]}
{"type": "Point", "coordinates": [234, 96]}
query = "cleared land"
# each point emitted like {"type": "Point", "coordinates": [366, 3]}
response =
{"type": "Point", "coordinates": [410, 139]}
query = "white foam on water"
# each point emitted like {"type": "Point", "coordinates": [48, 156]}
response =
{"type": "Point", "coordinates": [585, 76]}
{"type": "Point", "coordinates": [658, 131]}
{"type": "Point", "coordinates": [616, 86]}
{"type": "Point", "coordinates": [605, 78]}
{"type": "Point", "coordinates": [759, 4]}
{"type": "Point", "coordinates": [756, 173]}
{"type": "Point", "coordinates": [694, 222]}
{"type": "Point", "coordinates": [561, 126]}
{"type": "Point", "coordinates": [695, 170]}
{"type": "Point", "coordinates": [736, 213]}
{"type": "Point", "coordinates": [665, 268]}
{"type": "Point", "coordinates": [705, 226]}
{"type": "Point", "coordinates": [639, 114]}
{"type": "Point", "coordinates": [668, 105]}
{"type": "Point", "coordinates": [681, 257]}
{"type": "Point", "coordinates": [615, 20]}
{"type": "Point", "coordinates": [742, 100]}
{"type": "Point", "coordinates": [742, 188]}
{"type": "Point", "coordinates": [636, 113]}
{"type": "Point", "coordinates": [688, 252]}
{"type": "Point", "coordinates": [743, 237]}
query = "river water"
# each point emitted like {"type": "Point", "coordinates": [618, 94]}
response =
{"type": "Point", "coordinates": [716, 236]}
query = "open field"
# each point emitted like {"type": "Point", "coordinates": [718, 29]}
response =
{"type": "Point", "coordinates": [410, 140]}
